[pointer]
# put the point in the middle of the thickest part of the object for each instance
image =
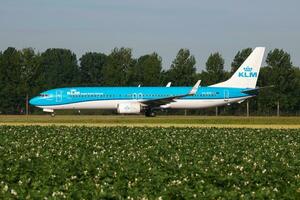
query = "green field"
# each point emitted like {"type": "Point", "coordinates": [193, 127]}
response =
{"type": "Point", "coordinates": [76, 162]}
{"type": "Point", "coordinates": [116, 120]}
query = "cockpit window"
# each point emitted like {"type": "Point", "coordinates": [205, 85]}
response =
{"type": "Point", "coordinates": [44, 95]}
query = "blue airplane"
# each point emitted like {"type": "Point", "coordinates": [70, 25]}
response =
{"type": "Point", "coordinates": [135, 100]}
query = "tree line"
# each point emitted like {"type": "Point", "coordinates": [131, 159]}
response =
{"type": "Point", "coordinates": [27, 73]}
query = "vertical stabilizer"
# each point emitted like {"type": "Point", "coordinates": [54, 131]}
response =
{"type": "Point", "coordinates": [247, 74]}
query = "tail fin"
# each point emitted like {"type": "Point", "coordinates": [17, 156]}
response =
{"type": "Point", "coordinates": [247, 74]}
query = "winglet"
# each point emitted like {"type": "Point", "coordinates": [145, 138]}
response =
{"type": "Point", "coordinates": [195, 88]}
{"type": "Point", "coordinates": [169, 84]}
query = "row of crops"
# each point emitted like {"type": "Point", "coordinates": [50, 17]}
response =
{"type": "Point", "coordinates": [53, 162]}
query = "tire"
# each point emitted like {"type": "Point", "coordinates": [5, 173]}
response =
{"type": "Point", "coordinates": [149, 113]}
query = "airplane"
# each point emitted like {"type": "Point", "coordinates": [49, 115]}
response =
{"type": "Point", "coordinates": [147, 100]}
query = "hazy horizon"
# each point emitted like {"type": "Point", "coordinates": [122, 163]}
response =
{"type": "Point", "coordinates": [152, 26]}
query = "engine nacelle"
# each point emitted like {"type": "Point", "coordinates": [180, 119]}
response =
{"type": "Point", "coordinates": [129, 108]}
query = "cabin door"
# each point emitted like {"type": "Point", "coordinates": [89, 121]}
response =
{"type": "Point", "coordinates": [226, 95]}
{"type": "Point", "coordinates": [58, 95]}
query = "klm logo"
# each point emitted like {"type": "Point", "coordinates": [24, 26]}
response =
{"type": "Point", "coordinates": [247, 73]}
{"type": "Point", "coordinates": [73, 92]}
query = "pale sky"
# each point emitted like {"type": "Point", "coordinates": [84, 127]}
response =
{"type": "Point", "coordinates": [163, 26]}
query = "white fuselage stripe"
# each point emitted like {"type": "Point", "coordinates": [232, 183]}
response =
{"type": "Point", "coordinates": [178, 104]}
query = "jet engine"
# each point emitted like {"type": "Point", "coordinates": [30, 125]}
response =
{"type": "Point", "coordinates": [129, 108]}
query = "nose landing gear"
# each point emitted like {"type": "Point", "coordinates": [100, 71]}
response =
{"type": "Point", "coordinates": [51, 111]}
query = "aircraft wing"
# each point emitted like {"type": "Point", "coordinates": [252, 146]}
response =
{"type": "Point", "coordinates": [163, 101]}
{"type": "Point", "coordinates": [255, 91]}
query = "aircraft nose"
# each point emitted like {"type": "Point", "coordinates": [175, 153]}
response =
{"type": "Point", "coordinates": [34, 101]}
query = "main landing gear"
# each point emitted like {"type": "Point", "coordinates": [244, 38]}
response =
{"type": "Point", "coordinates": [149, 113]}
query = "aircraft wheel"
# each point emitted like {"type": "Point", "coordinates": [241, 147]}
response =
{"type": "Point", "coordinates": [149, 113]}
{"type": "Point", "coordinates": [53, 114]}
{"type": "Point", "coordinates": [152, 114]}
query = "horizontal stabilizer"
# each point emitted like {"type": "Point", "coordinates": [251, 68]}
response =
{"type": "Point", "coordinates": [255, 90]}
